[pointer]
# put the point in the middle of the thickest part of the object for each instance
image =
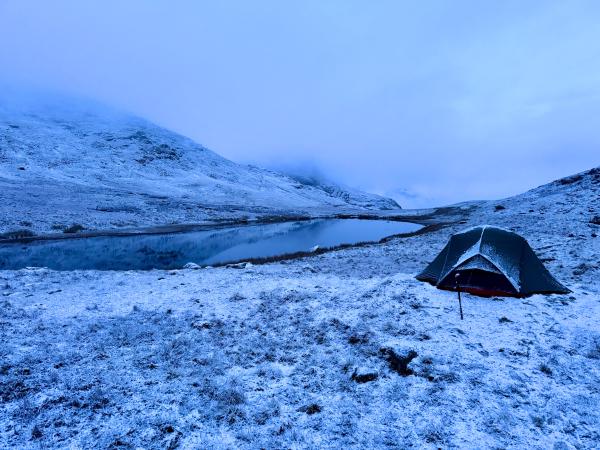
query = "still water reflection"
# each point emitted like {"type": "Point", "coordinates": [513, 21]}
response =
{"type": "Point", "coordinates": [174, 250]}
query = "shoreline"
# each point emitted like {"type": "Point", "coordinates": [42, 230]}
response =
{"type": "Point", "coordinates": [426, 218]}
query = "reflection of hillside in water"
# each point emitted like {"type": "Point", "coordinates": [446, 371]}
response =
{"type": "Point", "coordinates": [170, 251]}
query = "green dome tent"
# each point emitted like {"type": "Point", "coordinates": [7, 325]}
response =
{"type": "Point", "coordinates": [487, 261]}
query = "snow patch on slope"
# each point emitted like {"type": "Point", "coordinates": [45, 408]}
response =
{"type": "Point", "coordinates": [84, 163]}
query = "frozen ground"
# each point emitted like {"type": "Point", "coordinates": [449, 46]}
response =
{"type": "Point", "coordinates": [298, 354]}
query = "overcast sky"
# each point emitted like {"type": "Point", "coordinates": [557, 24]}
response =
{"type": "Point", "coordinates": [433, 101]}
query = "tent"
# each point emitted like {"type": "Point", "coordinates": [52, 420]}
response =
{"type": "Point", "coordinates": [486, 261]}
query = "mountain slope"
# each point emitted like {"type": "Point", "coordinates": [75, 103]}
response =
{"type": "Point", "coordinates": [87, 164]}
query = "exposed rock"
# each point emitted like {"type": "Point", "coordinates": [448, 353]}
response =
{"type": "Point", "coordinates": [364, 375]}
{"type": "Point", "coordinates": [311, 409]}
{"type": "Point", "coordinates": [582, 268]}
{"type": "Point", "coordinates": [399, 361]}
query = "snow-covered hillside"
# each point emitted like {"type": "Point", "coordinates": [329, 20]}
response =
{"type": "Point", "coordinates": [84, 163]}
{"type": "Point", "coordinates": [298, 354]}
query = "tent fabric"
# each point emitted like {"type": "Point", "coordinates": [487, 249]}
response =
{"type": "Point", "coordinates": [478, 262]}
{"type": "Point", "coordinates": [490, 261]}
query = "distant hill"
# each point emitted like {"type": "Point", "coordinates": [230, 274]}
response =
{"type": "Point", "coordinates": [66, 161]}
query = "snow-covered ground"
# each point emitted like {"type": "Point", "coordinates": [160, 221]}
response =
{"type": "Point", "coordinates": [310, 353]}
{"type": "Point", "coordinates": [82, 163]}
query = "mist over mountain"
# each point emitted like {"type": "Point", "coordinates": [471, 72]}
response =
{"type": "Point", "coordinates": [89, 164]}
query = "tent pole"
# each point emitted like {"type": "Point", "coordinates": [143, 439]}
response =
{"type": "Point", "coordinates": [459, 299]}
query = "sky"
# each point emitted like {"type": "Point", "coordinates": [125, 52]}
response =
{"type": "Point", "coordinates": [430, 102]}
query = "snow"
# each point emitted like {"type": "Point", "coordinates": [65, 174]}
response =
{"type": "Point", "coordinates": [262, 356]}
{"type": "Point", "coordinates": [85, 164]}
{"type": "Point", "coordinates": [224, 357]}
{"type": "Point", "coordinates": [489, 253]}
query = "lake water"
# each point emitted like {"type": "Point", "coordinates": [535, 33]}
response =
{"type": "Point", "coordinates": [206, 247]}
